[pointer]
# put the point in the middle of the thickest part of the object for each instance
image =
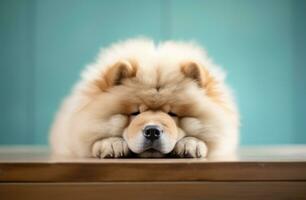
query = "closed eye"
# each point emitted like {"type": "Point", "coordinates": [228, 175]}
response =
{"type": "Point", "coordinates": [172, 114]}
{"type": "Point", "coordinates": [135, 113]}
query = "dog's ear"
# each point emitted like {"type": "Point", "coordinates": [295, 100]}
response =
{"type": "Point", "coordinates": [116, 73]}
{"type": "Point", "coordinates": [193, 71]}
{"type": "Point", "coordinates": [198, 73]}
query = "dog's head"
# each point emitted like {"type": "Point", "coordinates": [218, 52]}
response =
{"type": "Point", "coordinates": [155, 107]}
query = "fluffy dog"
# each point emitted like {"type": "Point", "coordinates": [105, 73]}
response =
{"type": "Point", "coordinates": [150, 100]}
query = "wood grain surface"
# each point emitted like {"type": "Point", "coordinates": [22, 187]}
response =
{"type": "Point", "coordinates": [254, 173]}
{"type": "Point", "coordinates": [38, 165]}
{"type": "Point", "coordinates": [157, 190]}
{"type": "Point", "coordinates": [150, 171]}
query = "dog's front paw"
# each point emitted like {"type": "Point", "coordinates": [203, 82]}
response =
{"type": "Point", "coordinates": [190, 147]}
{"type": "Point", "coordinates": [113, 147]}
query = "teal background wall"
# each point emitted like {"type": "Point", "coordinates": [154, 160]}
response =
{"type": "Point", "coordinates": [44, 44]}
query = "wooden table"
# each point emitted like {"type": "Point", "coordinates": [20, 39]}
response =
{"type": "Point", "coordinates": [256, 173]}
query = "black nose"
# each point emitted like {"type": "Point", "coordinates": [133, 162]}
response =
{"type": "Point", "coordinates": [152, 132]}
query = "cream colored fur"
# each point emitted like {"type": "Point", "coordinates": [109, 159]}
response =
{"type": "Point", "coordinates": [91, 122]}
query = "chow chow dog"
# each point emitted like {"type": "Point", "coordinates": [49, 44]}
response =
{"type": "Point", "coordinates": [150, 100]}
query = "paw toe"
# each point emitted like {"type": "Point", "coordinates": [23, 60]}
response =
{"type": "Point", "coordinates": [190, 147]}
{"type": "Point", "coordinates": [113, 147]}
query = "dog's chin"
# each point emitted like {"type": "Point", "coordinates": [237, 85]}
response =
{"type": "Point", "coordinates": [151, 153]}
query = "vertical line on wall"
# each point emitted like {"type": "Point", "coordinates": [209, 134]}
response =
{"type": "Point", "coordinates": [166, 23]}
{"type": "Point", "coordinates": [31, 73]}
{"type": "Point", "coordinates": [299, 73]}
